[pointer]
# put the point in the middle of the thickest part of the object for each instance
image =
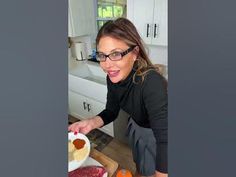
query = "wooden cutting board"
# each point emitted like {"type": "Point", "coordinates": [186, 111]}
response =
{"type": "Point", "coordinates": [109, 164]}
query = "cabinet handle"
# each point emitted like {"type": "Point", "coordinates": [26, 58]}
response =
{"type": "Point", "coordinates": [147, 30]}
{"type": "Point", "coordinates": [89, 107]}
{"type": "Point", "coordinates": [84, 103]}
{"type": "Point", "coordinates": [155, 30]}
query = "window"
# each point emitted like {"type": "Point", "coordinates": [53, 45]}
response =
{"type": "Point", "coordinates": [109, 10]}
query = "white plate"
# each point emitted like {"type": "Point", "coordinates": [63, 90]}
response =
{"type": "Point", "coordinates": [91, 161]}
{"type": "Point", "coordinates": [72, 165]}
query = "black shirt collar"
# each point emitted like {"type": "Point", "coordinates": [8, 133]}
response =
{"type": "Point", "coordinates": [128, 79]}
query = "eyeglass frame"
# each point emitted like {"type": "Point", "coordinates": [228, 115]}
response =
{"type": "Point", "coordinates": [121, 53]}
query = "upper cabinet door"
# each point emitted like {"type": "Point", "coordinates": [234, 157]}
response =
{"type": "Point", "coordinates": [81, 17]}
{"type": "Point", "coordinates": [160, 22]}
{"type": "Point", "coordinates": [150, 18]}
{"type": "Point", "coordinates": [140, 12]}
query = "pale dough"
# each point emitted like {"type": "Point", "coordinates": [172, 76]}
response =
{"type": "Point", "coordinates": [71, 146]}
{"type": "Point", "coordinates": [80, 154]}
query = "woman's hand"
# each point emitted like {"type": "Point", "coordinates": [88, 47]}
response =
{"type": "Point", "coordinates": [159, 174]}
{"type": "Point", "coordinates": [85, 126]}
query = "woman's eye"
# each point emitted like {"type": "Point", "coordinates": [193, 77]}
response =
{"type": "Point", "coordinates": [115, 54]}
{"type": "Point", "coordinates": [100, 55]}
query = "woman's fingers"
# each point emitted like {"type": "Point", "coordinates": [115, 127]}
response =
{"type": "Point", "coordinates": [85, 130]}
{"type": "Point", "coordinates": [78, 127]}
{"type": "Point", "coordinates": [74, 127]}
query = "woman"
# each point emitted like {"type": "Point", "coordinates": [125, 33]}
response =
{"type": "Point", "coordinates": [135, 86]}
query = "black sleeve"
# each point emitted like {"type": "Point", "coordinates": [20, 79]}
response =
{"type": "Point", "coordinates": [111, 111]}
{"type": "Point", "coordinates": [156, 104]}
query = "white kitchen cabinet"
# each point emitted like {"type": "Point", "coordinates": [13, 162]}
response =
{"type": "Point", "coordinates": [79, 105]}
{"type": "Point", "coordinates": [150, 18]}
{"type": "Point", "coordinates": [81, 16]}
{"type": "Point", "coordinates": [83, 107]}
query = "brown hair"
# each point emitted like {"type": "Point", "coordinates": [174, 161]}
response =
{"type": "Point", "coordinates": [124, 30]}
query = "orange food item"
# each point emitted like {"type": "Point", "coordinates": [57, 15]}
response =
{"type": "Point", "coordinates": [79, 143]}
{"type": "Point", "coordinates": [123, 173]}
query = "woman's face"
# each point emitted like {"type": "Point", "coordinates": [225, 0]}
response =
{"type": "Point", "coordinates": [116, 70]}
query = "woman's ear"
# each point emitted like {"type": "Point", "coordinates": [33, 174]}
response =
{"type": "Point", "coordinates": [136, 49]}
{"type": "Point", "coordinates": [136, 53]}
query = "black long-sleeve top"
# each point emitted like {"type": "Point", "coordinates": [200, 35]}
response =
{"type": "Point", "coordinates": [146, 103]}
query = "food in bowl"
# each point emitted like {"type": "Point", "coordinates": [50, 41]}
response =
{"type": "Point", "coordinates": [71, 146]}
{"type": "Point", "coordinates": [79, 143]}
{"type": "Point", "coordinates": [80, 154]}
{"type": "Point", "coordinates": [77, 149]}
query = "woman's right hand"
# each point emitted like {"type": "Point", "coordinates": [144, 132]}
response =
{"type": "Point", "coordinates": [85, 126]}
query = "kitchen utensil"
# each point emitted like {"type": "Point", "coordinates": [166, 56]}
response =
{"type": "Point", "coordinates": [80, 51]}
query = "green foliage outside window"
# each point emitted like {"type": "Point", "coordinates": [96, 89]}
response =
{"type": "Point", "coordinates": [118, 11]}
{"type": "Point", "coordinates": [109, 10]}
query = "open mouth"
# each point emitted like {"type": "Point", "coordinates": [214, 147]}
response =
{"type": "Point", "coordinates": [113, 73]}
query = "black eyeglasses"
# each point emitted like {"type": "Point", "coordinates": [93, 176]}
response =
{"type": "Point", "coordinates": [114, 56]}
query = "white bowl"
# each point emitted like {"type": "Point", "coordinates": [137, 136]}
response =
{"type": "Point", "coordinates": [72, 165]}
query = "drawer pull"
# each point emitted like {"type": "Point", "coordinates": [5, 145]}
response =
{"type": "Point", "coordinates": [84, 103]}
